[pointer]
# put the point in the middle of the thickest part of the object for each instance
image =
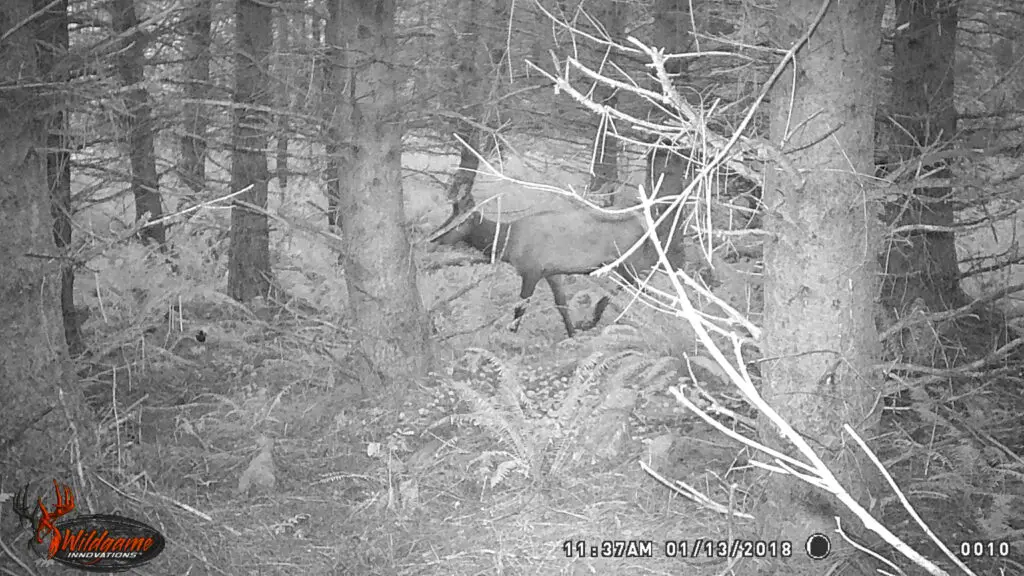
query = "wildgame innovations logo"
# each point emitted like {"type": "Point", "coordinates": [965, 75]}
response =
{"type": "Point", "coordinates": [95, 542]}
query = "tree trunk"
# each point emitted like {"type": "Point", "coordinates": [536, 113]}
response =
{"type": "Point", "coordinates": [53, 34]}
{"type": "Point", "coordinates": [138, 119]}
{"type": "Point", "coordinates": [475, 59]}
{"type": "Point", "coordinates": [335, 76]}
{"type": "Point", "coordinates": [192, 165]}
{"type": "Point", "coordinates": [390, 325]}
{"type": "Point", "coordinates": [821, 269]}
{"type": "Point", "coordinates": [923, 264]}
{"type": "Point", "coordinates": [35, 378]}
{"type": "Point", "coordinates": [605, 175]}
{"type": "Point", "coordinates": [304, 40]}
{"type": "Point", "coordinates": [673, 167]}
{"type": "Point", "coordinates": [283, 99]}
{"type": "Point", "coordinates": [249, 272]}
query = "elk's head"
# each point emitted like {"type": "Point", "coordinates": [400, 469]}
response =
{"type": "Point", "coordinates": [460, 223]}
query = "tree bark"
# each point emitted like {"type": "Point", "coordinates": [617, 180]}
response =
{"type": "Point", "coordinates": [821, 269]}
{"type": "Point", "coordinates": [53, 33]}
{"type": "Point", "coordinates": [335, 103]}
{"type": "Point", "coordinates": [606, 161]}
{"type": "Point", "coordinates": [673, 27]}
{"type": "Point", "coordinates": [923, 264]}
{"type": "Point", "coordinates": [35, 377]}
{"type": "Point", "coordinates": [390, 325]}
{"type": "Point", "coordinates": [138, 119]}
{"type": "Point", "coordinates": [283, 98]}
{"type": "Point", "coordinates": [249, 272]}
{"type": "Point", "coordinates": [192, 165]}
{"type": "Point", "coordinates": [476, 77]}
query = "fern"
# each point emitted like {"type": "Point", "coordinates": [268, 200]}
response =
{"type": "Point", "coordinates": [506, 463]}
{"type": "Point", "coordinates": [541, 447]}
{"type": "Point", "coordinates": [502, 414]}
{"type": "Point", "coordinates": [574, 412]}
{"type": "Point", "coordinates": [619, 336]}
{"type": "Point", "coordinates": [502, 470]}
{"type": "Point", "coordinates": [586, 373]}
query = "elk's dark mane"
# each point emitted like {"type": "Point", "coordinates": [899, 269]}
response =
{"type": "Point", "coordinates": [482, 237]}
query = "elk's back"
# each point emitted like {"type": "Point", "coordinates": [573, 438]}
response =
{"type": "Point", "coordinates": [576, 242]}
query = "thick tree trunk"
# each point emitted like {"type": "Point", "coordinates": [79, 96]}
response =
{"type": "Point", "coordinates": [138, 121]}
{"type": "Point", "coordinates": [39, 400]}
{"type": "Point", "coordinates": [192, 165]}
{"type": "Point", "coordinates": [249, 272]}
{"type": "Point", "coordinates": [821, 270]}
{"type": "Point", "coordinates": [391, 328]}
{"type": "Point", "coordinates": [923, 264]}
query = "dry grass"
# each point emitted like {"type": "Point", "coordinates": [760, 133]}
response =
{"type": "Point", "coordinates": [352, 497]}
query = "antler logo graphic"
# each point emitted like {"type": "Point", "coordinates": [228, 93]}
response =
{"type": "Point", "coordinates": [94, 542]}
{"type": "Point", "coordinates": [65, 503]}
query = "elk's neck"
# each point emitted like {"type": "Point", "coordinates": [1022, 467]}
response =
{"type": "Point", "coordinates": [483, 237]}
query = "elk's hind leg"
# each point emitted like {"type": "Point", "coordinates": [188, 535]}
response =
{"type": "Point", "coordinates": [556, 290]}
{"type": "Point", "coordinates": [599, 311]}
{"type": "Point", "coordinates": [529, 285]}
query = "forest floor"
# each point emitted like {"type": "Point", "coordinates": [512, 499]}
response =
{"type": "Point", "coordinates": [437, 495]}
{"type": "Point", "coordinates": [245, 452]}
{"type": "Point", "coordinates": [242, 451]}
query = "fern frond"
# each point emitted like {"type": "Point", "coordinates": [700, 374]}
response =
{"type": "Point", "coordinates": [627, 364]}
{"type": "Point", "coordinates": [502, 413]}
{"type": "Point", "coordinates": [663, 365]}
{"type": "Point", "coordinates": [509, 386]}
{"type": "Point", "coordinates": [620, 336]}
{"type": "Point", "coordinates": [505, 468]}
